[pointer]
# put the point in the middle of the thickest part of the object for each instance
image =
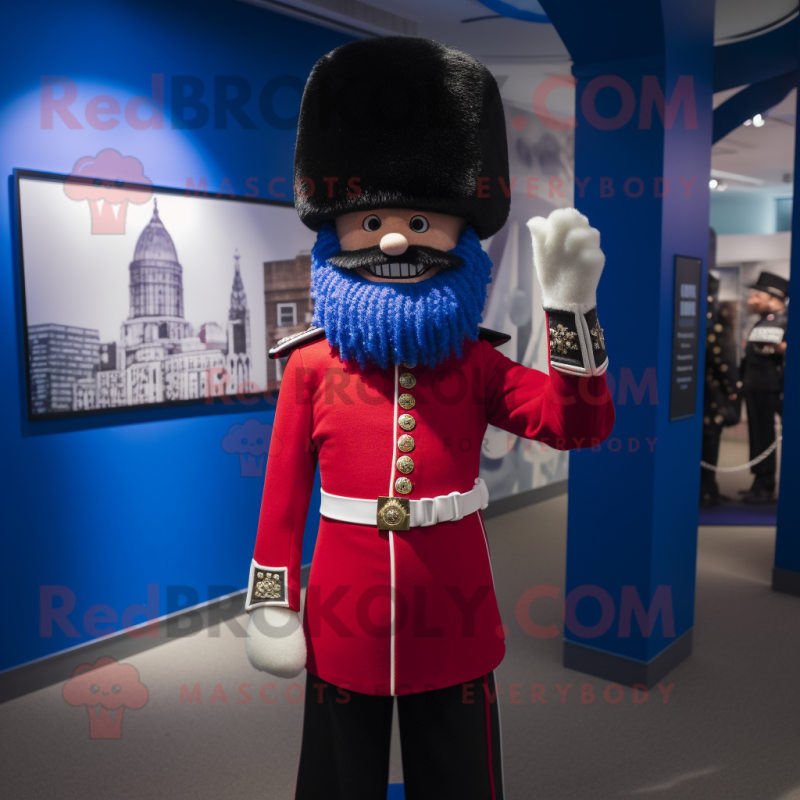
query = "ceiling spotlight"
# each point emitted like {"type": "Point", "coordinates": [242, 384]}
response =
{"type": "Point", "coordinates": [713, 183]}
{"type": "Point", "coordinates": [758, 121]}
{"type": "Point", "coordinates": [748, 122]}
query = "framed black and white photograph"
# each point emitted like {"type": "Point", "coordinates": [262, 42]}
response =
{"type": "Point", "coordinates": [137, 296]}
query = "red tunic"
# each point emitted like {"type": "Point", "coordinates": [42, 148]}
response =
{"type": "Point", "coordinates": [443, 627]}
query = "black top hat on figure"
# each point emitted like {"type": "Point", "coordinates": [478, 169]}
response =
{"type": "Point", "coordinates": [401, 122]}
{"type": "Point", "coordinates": [772, 284]}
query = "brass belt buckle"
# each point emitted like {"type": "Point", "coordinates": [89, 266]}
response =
{"type": "Point", "coordinates": [394, 514]}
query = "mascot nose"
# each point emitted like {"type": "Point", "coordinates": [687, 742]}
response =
{"type": "Point", "coordinates": [394, 244]}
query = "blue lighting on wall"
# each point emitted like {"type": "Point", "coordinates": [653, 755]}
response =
{"type": "Point", "coordinates": [108, 512]}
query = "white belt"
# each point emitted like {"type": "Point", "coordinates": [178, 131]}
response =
{"type": "Point", "coordinates": [424, 512]}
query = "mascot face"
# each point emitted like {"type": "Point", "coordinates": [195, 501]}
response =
{"type": "Point", "coordinates": [397, 233]}
{"type": "Point", "coordinates": [399, 286]}
{"type": "Point", "coordinates": [761, 302]}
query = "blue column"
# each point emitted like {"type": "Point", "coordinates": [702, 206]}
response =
{"type": "Point", "coordinates": [786, 574]}
{"type": "Point", "coordinates": [633, 502]}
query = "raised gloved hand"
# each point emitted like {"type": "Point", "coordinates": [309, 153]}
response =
{"type": "Point", "coordinates": [568, 259]}
{"type": "Point", "coordinates": [275, 641]}
{"type": "Point", "coordinates": [569, 262]}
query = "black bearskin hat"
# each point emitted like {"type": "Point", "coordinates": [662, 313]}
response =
{"type": "Point", "coordinates": [399, 122]}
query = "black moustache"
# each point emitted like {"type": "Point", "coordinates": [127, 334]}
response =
{"type": "Point", "coordinates": [415, 254]}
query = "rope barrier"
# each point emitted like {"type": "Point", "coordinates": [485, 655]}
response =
{"type": "Point", "coordinates": [751, 463]}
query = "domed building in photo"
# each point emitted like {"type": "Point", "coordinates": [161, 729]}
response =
{"type": "Point", "coordinates": [159, 356]}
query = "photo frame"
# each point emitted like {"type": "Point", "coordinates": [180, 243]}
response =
{"type": "Point", "coordinates": [137, 296]}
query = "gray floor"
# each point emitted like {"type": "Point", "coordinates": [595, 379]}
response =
{"type": "Point", "coordinates": [731, 727]}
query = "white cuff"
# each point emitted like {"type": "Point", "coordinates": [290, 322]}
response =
{"type": "Point", "coordinates": [266, 587]}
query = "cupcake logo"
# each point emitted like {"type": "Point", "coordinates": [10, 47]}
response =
{"type": "Point", "coordinates": [108, 182]}
{"type": "Point", "coordinates": [251, 442]}
{"type": "Point", "coordinates": [106, 688]}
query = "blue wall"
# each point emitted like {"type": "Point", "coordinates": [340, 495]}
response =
{"type": "Point", "coordinates": [784, 213]}
{"type": "Point", "coordinates": [105, 506]}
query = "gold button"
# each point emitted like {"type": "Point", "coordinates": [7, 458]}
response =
{"type": "Point", "coordinates": [407, 380]}
{"type": "Point", "coordinates": [405, 443]}
{"type": "Point", "coordinates": [405, 464]}
{"type": "Point", "coordinates": [406, 401]}
{"type": "Point", "coordinates": [403, 485]}
{"type": "Point", "coordinates": [407, 422]}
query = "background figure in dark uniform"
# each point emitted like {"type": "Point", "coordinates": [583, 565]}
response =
{"type": "Point", "coordinates": [763, 378]}
{"type": "Point", "coordinates": [720, 408]}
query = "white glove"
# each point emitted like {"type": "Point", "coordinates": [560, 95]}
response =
{"type": "Point", "coordinates": [568, 260]}
{"type": "Point", "coordinates": [275, 641]}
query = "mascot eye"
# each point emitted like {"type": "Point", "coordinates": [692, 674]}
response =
{"type": "Point", "coordinates": [372, 223]}
{"type": "Point", "coordinates": [94, 688]}
{"type": "Point", "coordinates": [116, 688]}
{"type": "Point", "coordinates": [419, 224]}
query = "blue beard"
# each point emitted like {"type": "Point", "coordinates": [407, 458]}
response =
{"type": "Point", "coordinates": [402, 323]}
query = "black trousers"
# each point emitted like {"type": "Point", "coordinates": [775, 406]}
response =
{"type": "Point", "coordinates": [712, 435]}
{"type": "Point", "coordinates": [450, 739]}
{"type": "Point", "coordinates": [761, 410]}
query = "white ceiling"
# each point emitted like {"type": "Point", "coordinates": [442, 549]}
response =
{"type": "Point", "coordinates": [765, 153]}
{"type": "Point", "coordinates": [736, 19]}
{"type": "Point", "coordinates": [521, 54]}
{"type": "Point", "coordinates": [475, 28]}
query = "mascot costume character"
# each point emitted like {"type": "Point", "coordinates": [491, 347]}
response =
{"type": "Point", "coordinates": [401, 167]}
